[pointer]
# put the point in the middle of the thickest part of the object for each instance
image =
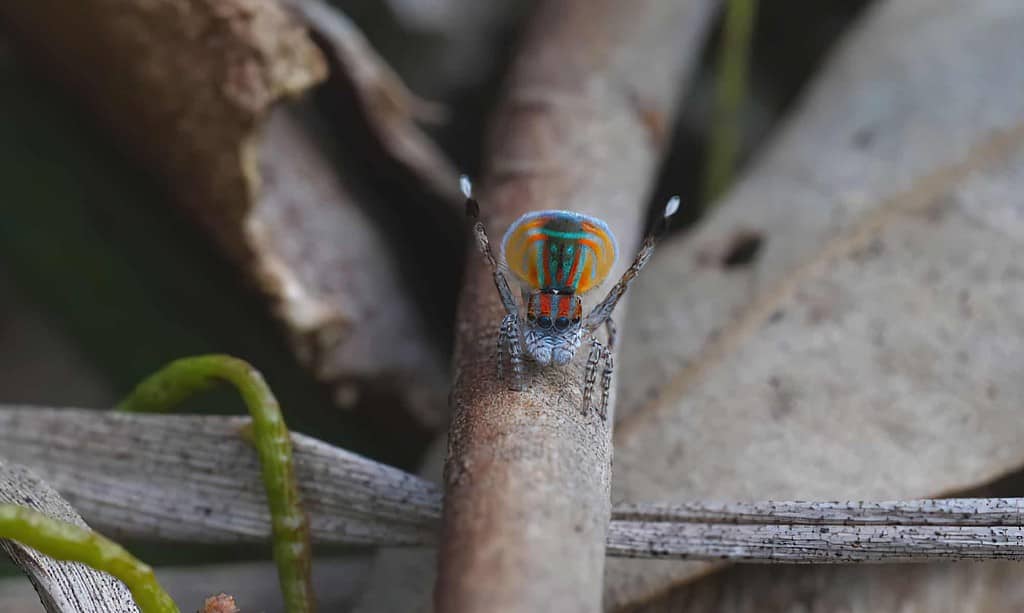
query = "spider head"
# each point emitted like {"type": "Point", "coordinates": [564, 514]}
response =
{"type": "Point", "coordinates": [553, 329]}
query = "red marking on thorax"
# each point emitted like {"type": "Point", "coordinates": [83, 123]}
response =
{"type": "Point", "coordinates": [545, 304]}
{"type": "Point", "coordinates": [564, 303]}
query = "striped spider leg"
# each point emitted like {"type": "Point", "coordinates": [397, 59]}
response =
{"type": "Point", "coordinates": [508, 334]}
{"type": "Point", "coordinates": [601, 314]}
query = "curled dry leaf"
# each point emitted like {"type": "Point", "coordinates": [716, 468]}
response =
{"type": "Point", "coordinates": [870, 347]}
{"type": "Point", "coordinates": [388, 105]}
{"type": "Point", "coordinates": [63, 587]}
{"type": "Point", "coordinates": [335, 277]}
{"type": "Point", "coordinates": [192, 88]}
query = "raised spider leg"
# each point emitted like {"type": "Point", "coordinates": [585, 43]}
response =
{"type": "Point", "coordinates": [601, 314]}
{"type": "Point", "coordinates": [612, 331]}
{"type": "Point", "coordinates": [508, 334]}
{"type": "Point", "coordinates": [603, 310]}
{"type": "Point", "coordinates": [484, 245]}
{"type": "Point", "coordinates": [590, 376]}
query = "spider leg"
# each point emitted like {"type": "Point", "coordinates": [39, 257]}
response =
{"type": "Point", "coordinates": [515, 350]}
{"type": "Point", "coordinates": [606, 381]}
{"type": "Point", "coordinates": [484, 245]}
{"type": "Point", "coordinates": [612, 331]}
{"type": "Point", "coordinates": [508, 334]}
{"type": "Point", "coordinates": [590, 376]}
{"type": "Point", "coordinates": [503, 341]}
{"type": "Point", "coordinates": [603, 310]}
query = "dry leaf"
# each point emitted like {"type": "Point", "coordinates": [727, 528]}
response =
{"type": "Point", "coordinates": [63, 587]}
{"type": "Point", "coordinates": [389, 108]}
{"type": "Point", "coordinates": [190, 88]}
{"type": "Point", "coordinates": [335, 277]}
{"type": "Point", "coordinates": [869, 348]}
{"type": "Point", "coordinates": [989, 587]}
{"type": "Point", "coordinates": [336, 580]}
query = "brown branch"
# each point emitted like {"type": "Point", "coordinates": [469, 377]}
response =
{"type": "Point", "coordinates": [527, 476]}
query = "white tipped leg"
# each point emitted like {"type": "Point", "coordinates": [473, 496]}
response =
{"type": "Point", "coordinates": [670, 207]}
{"type": "Point", "coordinates": [603, 310]}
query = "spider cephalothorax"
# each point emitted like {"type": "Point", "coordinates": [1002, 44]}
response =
{"type": "Point", "coordinates": [556, 257]}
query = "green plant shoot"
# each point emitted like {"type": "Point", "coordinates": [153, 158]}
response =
{"type": "Point", "coordinates": [731, 75]}
{"type": "Point", "coordinates": [186, 377]}
{"type": "Point", "coordinates": [64, 541]}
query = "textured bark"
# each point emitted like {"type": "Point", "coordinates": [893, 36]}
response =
{"type": "Point", "coordinates": [581, 126]}
{"type": "Point", "coordinates": [63, 587]}
{"type": "Point", "coordinates": [807, 544]}
{"type": "Point", "coordinates": [191, 87]}
{"type": "Point", "coordinates": [943, 512]}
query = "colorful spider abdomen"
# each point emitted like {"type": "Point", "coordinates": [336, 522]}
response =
{"type": "Point", "coordinates": [559, 252]}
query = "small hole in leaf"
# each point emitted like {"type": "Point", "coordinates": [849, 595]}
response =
{"type": "Point", "coordinates": [743, 249]}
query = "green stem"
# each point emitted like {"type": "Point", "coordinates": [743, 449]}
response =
{"type": "Point", "coordinates": [63, 541]}
{"type": "Point", "coordinates": [185, 377]}
{"type": "Point", "coordinates": [730, 92]}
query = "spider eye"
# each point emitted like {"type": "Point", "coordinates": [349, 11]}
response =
{"type": "Point", "coordinates": [544, 321]}
{"type": "Point", "coordinates": [561, 323]}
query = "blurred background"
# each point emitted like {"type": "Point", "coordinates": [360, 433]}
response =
{"type": "Point", "coordinates": [105, 275]}
{"type": "Point", "coordinates": [103, 279]}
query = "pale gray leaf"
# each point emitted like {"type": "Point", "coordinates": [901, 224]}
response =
{"type": "Point", "coordinates": [336, 582]}
{"type": "Point", "coordinates": [870, 348]}
{"type": "Point", "coordinates": [62, 587]}
{"type": "Point", "coordinates": [204, 486]}
{"type": "Point", "coordinates": [195, 479]}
